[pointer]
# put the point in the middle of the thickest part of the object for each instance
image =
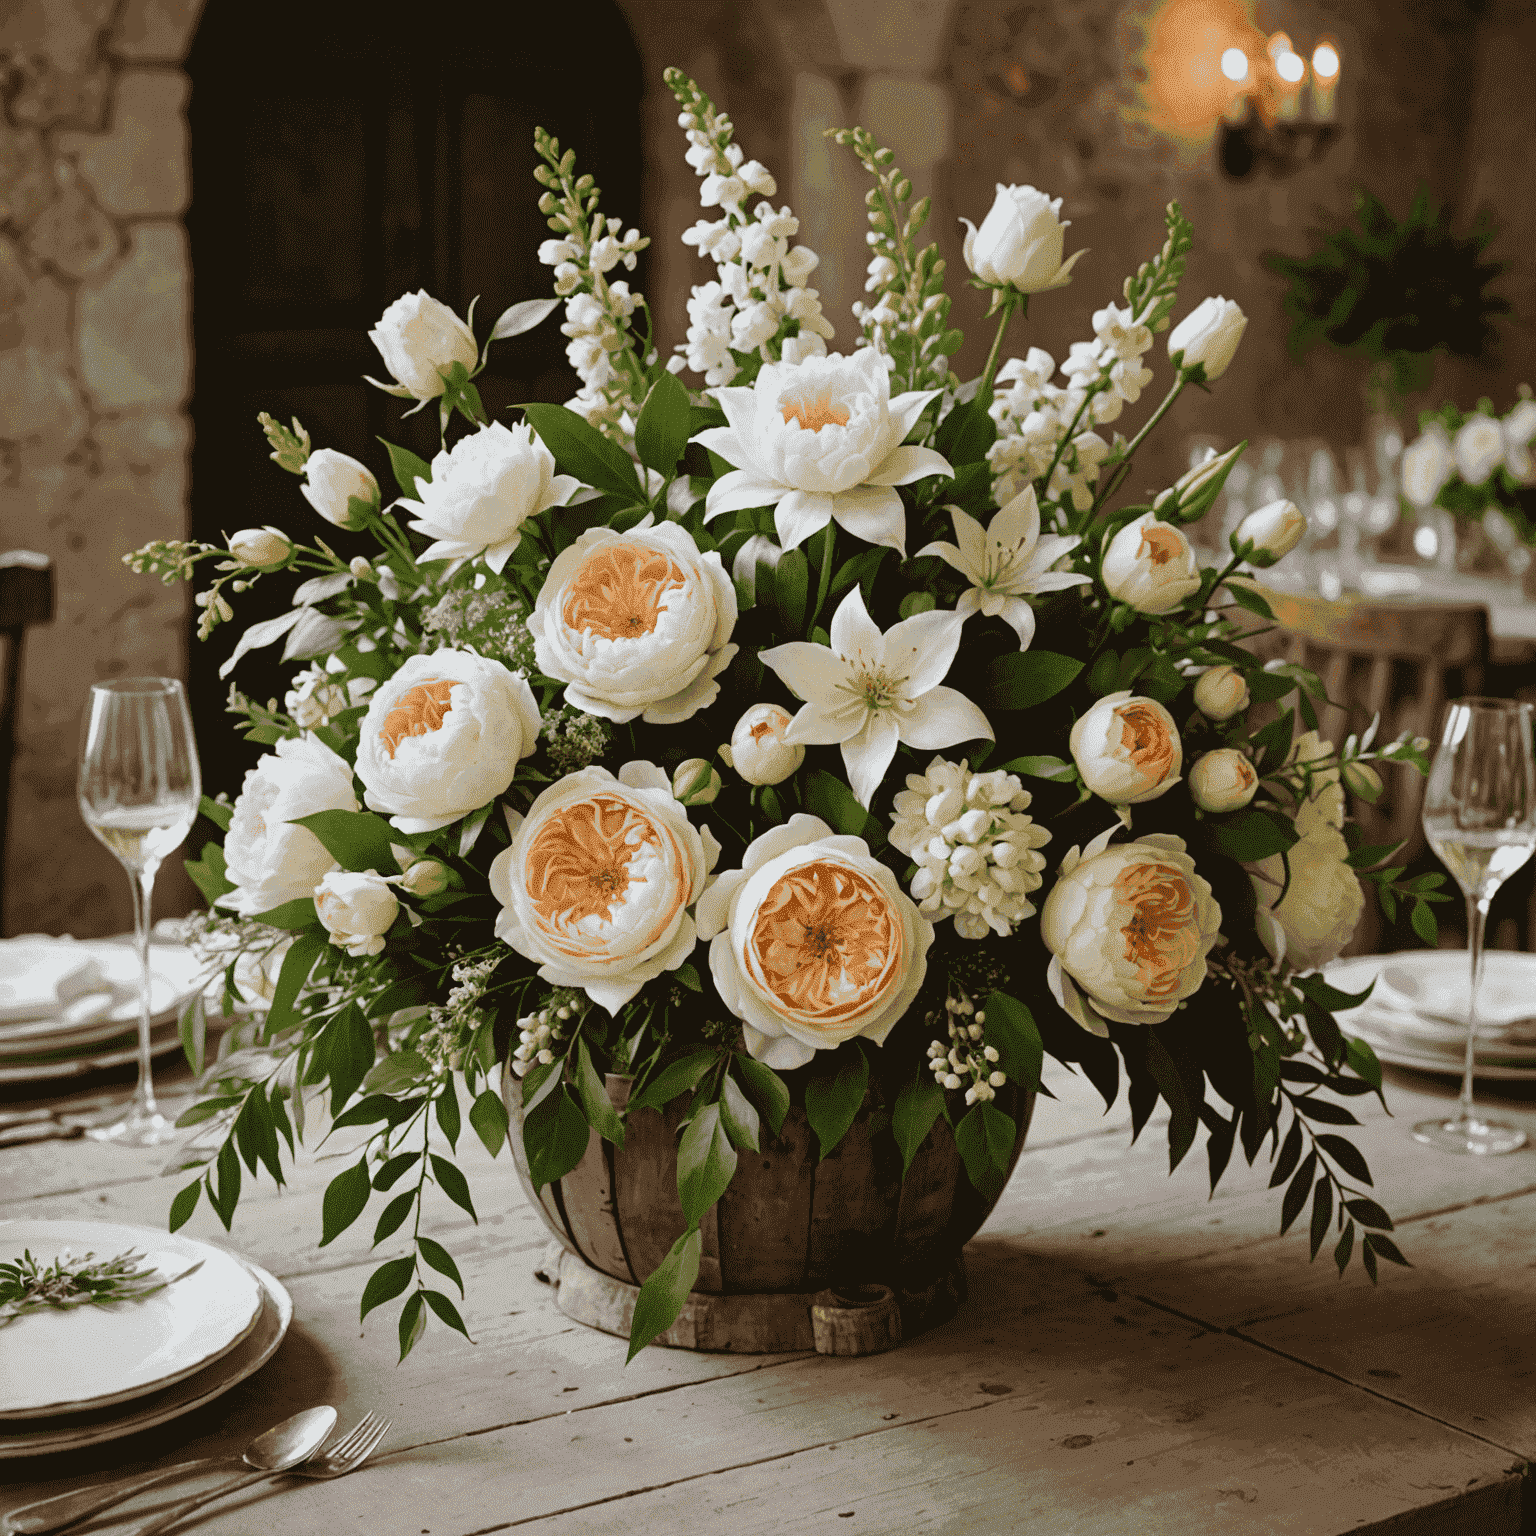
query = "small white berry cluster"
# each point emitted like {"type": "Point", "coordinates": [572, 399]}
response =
{"type": "Point", "coordinates": [967, 1060]}
{"type": "Point", "coordinates": [458, 1015]}
{"type": "Point", "coordinates": [540, 1031]}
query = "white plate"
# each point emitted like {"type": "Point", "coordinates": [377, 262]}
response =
{"type": "Point", "coordinates": [1436, 984]}
{"type": "Point", "coordinates": [45, 1436]}
{"type": "Point", "coordinates": [37, 975]}
{"type": "Point", "coordinates": [86, 1358]}
{"type": "Point", "coordinates": [117, 1052]}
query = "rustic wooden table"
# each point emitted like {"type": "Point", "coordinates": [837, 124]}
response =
{"type": "Point", "coordinates": [1133, 1358]}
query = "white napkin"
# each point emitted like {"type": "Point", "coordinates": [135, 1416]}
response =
{"type": "Point", "coordinates": [42, 977]}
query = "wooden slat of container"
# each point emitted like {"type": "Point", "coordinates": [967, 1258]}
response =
{"type": "Point", "coordinates": [765, 1215]}
{"type": "Point", "coordinates": [650, 1214]}
{"type": "Point", "coordinates": [853, 1209]}
{"type": "Point", "coordinates": [586, 1193]}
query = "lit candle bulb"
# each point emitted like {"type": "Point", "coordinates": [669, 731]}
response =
{"type": "Point", "coordinates": [1292, 70]}
{"type": "Point", "coordinates": [1325, 81]}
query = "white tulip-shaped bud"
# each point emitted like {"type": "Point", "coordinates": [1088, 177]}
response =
{"type": "Point", "coordinates": [426, 877]}
{"type": "Point", "coordinates": [264, 549]}
{"type": "Point", "coordinates": [1194, 493]}
{"type": "Point", "coordinates": [1361, 779]}
{"type": "Point", "coordinates": [360, 569]}
{"type": "Point", "coordinates": [1208, 335]}
{"type": "Point", "coordinates": [1272, 532]}
{"type": "Point", "coordinates": [1223, 780]}
{"type": "Point", "coordinates": [1020, 242]}
{"type": "Point", "coordinates": [695, 782]}
{"type": "Point", "coordinates": [758, 751]}
{"type": "Point", "coordinates": [418, 337]}
{"type": "Point", "coordinates": [1150, 565]}
{"type": "Point", "coordinates": [334, 482]}
{"type": "Point", "coordinates": [1221, 693]}
{"type": "Point", "coordinates": [356, 909]}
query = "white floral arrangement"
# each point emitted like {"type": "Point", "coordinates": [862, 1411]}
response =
{"type": "Point", "coordinates": [777, 726]}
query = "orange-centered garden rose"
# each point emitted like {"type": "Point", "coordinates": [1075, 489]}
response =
{"type": "Point", "coordinates": [812, 942]}
{"type": "Point", "coordinates": [1127, 749]}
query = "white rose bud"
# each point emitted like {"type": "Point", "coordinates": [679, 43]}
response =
{"type": "Point", "coordinates": [1479, 448]}
{"type": "Point", "coordinates": [261, 548]}
{"type": "Point", "coordinates": [1127, 749]}
{"type": "Point", "coordinates": [1273, 531]}
{"type": "Point", "coordinates": [1020, 242]}
{"type": "Point", "coordinates": [1209, 334]}
{"type": "Point", "coordinates": [1221, 693]}
{"type": "Point", "coordinates": [1427, 464]}
{"type": "Point", "coordinates": [1361, 779]}
{"type": "Point", "coordinates": [758, 751]}
{"type": "Point", "coordinates": [1150, 565]}
{"type": "Point", "coordinates": [417, 336]}
{"type": "Point", "coordinates": [426, 877]}
{"type": "Point", "coordinates": [334, 480]}
{"type": "Point", "coordinates": [360, 569]}
{"type": "Point", "coordinates": [357, 909]}
{"type": "Point", "coordinates": [695, 782]}
{"type": "Point", "coordinates": [1223, 780]}
{"type": "Point", "coordinates": [1194, 493]}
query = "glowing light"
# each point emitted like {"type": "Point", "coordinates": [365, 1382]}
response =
{"type": "Point", "coordinates": [1426, 542]}
{"type": "Point", "coordinates": [1289, 67]}
{"type": "Point", "coordinates": [1278, 44]}
{"type": "Point", "coordinates": [1325, 61]}
{"type": "Point", "coordinates": [1234, 64]}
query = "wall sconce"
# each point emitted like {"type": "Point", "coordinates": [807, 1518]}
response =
{"type": "Point", "coordinates": [1283, 117]}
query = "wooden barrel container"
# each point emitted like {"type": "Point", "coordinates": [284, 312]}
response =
{"type": "Point", "coordinates": [790, 1233]}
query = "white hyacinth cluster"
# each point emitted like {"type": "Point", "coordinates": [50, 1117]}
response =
{"type": "Point", "coordinates": [760, 302]}
{"type": "Point", "coordinates": [967, 1060]}
{"type": "Point", "coordinates": [976, 849]}
{"type": "Point", "coordinates": [539, 1032]}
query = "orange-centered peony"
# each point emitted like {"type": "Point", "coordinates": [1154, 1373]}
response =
{"type": "Point", "coordinates": [1160, 544]}
{"type": "Point", "coordinates": [416, 712]}
{"type": "Point", "coordinates": [1127, 749]}
{"type": "Point", "coordinates": [620, 591]}
{"type": "Point", "coordinates": [1148, 743]}
{"type": "Point", "coordinates": [1160, 933]}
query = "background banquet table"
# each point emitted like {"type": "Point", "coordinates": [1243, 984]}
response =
{"type": "Point", "coordinates": [1133, 1356]}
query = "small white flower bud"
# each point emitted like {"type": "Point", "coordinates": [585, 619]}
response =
{"type": "Point", "coordinates": [997, 1079]}
{"type": "Point", "coordinates": [951, 1081]}
{"type": "Point", "coordinates": [261, 548]}
{"type": "Point", "coordinates": [695, 782]}
{"type": "Point", "coordinates": [1221, 693]}
{"type": "Point", "coordinates": [361, 570]}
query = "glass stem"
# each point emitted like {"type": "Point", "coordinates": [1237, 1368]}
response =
{"type": "Point", "coordinates": [1477, 917]}
{"type": "Point", "coordinates": [143, 883]}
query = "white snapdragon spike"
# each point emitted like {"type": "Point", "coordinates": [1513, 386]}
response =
{"type": "Point", "coordinates": [1428, 462]}
{"type": "Point", "coordinates": [1127, 749]}
{"type": "Point", "coordinates": [1129, 929]}
{"type": "Point", "coordinates": [869, 690]}
{"type": "Point", "coordinates": [812, 942]}
{"type": "Point", "coordinates": [419, 338]}
{"type": "Point", "coordinates": [442, 737]}
{"type": "Point", "coordinates": [1007, 561]}
{"type": "Point", "coordinates": [597, 885]}
{"type": "Point", "coordinates": [977, 852]}
{"type": "Point", "coordinates": [1020, 242]}
{"type": "Point", "coordinates": [482, 491]}
{"type": "Point", "coordinates": [271, 859]}
{"type": "Point", "coordinates": [356, 909]}
{"type": "Point", "coordinates": [636, 623]}
{"type": "Point", "coordinates": [1479, 448]}
{"type": "Point", "coordinates": [821, 441]}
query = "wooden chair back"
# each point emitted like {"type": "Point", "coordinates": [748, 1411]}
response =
{"type": "Point", "coordinates": [26, 598]}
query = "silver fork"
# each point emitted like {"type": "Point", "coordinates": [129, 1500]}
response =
{"type": "Point", "coordinates": [346, 1455]}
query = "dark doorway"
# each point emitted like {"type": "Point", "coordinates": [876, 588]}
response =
{"type": "Point", "coordinates": [344, 154]}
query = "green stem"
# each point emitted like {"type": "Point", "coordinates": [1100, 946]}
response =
{"type": "Point", "coordinates": [826, 573]}
{"type": "Point", "coordinates": [1124, 467]}
{"type": "Point", "coordinates": [1012, 299]}
{"type": "Point", "coordinates": [1043, 484]}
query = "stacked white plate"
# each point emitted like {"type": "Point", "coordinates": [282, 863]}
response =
{"type": "Point", "coordinates": [78, 1376]}
{"type": "Point", "coordinates": [72, 1005]}
{"type": "Point", "coordinates": [1417, 1016]}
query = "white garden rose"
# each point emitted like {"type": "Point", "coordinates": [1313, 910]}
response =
{"type": "Point", "coordinates": [1322, 902]}
{"type": "Point", "coordinates": [758, 750]}
{"type": "Point", "coordinates": [332, 481]}
{"type": "Point", "coordinates": [1127, 749]}
{"type": "Point", "coordinates": [270, 860]}
{"type": "Point", "coordinates": [482, 491]}
{"type": "Point", "coordinates": [1221, 693]}
{"type": "Point", "coordinates": [1322, 805]}
{"type": "Point", "coordinates": [1222, 780]}
{"type": "Point", "coordinates": [442, 737]}
{"type": "Point", "coordinates": [1150, 565]}
{"type": "Point", "coordinates": [1020, 241]}
{"type": "Point", "coordinates": [636, 624]}
{"type": "Point", "coordinates": [812, 942]}
{"type": "Point", "coordinates": [821, 441]}
{"type": "Point", "coordinates": [597, 883]}
{"type": "Point", "coordinates": [1479, 448]}
{"type": "Point", "coordinates": [1428, 462]}
{"type": "Point", "coordinates": [1209, 334]}
{"type": "Point", "coordinates": [1129, 929]}
{"type": "Point", "coordinates": [357, 909]}
{"type": "Point", "coordinates": [1273, 531]}
{"type": "Point", "coordinates": [417, 337]}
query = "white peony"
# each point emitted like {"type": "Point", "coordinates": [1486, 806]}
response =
{"type": "Point", "coordinates": [1150, 565]}
{"type": "Point", "coordinates": [1479, 448]}
{"type": "Point", "coordinates": [1222, 780]}
{"type": "Point", "coordinates": [758, 750]}
{"type": "Point", "coordinates": [812, 942]}
{"type": "Point", "coordinates": [357, 909]}
{"type": "Point", "coordinates": [482, 491]}
{"type": "Point", "coordinates": [1020, 241]}
{"type": "Point", "coordinates": [821, 441]}
{"type": "Point", "coordinates": [636, 624]}
{"type": "Point", "coordinates": [1129, 929]}
{"type": "Point", "coordinates": [597, 883]}
{"type": "Point", "coordinates": [442, 737]}
{"type": "Point", "coordinates": [1428, 462]}
{"type": "Point", "coordinates": [270, 860]}
{"type": "Point", "coordinates": [1322, 903]}
{"type": "Point", "coordinates": [1127, 749]}
{"type": "Point", "coordinates": [1209, 334]}
{"type": "Point", "coordinates": [418, 338]}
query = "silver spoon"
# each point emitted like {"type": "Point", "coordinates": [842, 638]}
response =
{"type": "Point", "coordinates": [281, 1448]}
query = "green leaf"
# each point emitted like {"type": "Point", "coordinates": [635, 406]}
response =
{"type": "Point", "coordinates": [445, 1309]}
{"type": "Point", "coordinates": [291, 978]}
{"type": "Point", "coordinates": [1010, 1027]}
{"type": "Point", "coordinates": [208, 873]}
{"type": "Point", "coordinates": [832, 1101]}
{"type": "Point", "coordinates": [1322, 1211]}
{"type": "Point", "coordinates": [219, 815]}
{"type": "Point", "coordinates": [453, 1184]}
{"type": "Point", "coordinates": [357, 840]}
{"type": "Point", "coordinates": [1022, 679]}
{"type": "Point", "coordinates": [1039, 768]}
{"type": "Point", "coordinates": [206, 1109]}
{"type": "Point", "coordinates": [791, 579]}
{"type": "Point", "coordinates": [1246, 597]}
{"type": "Point", "coordinates": [665, 1292]}
{"type": "Point", "coordinates": [1324, 1110]}
{"type": "Point", "coordinates": [473, 826]}
{"type": "Point", "coordinates": [370, 1111]}
{"type": "Point", "coordinates": [256, 1135]}
{"type": "Point", "coordinates": [1290, 1155]}
{"type": "Point", "coordinates": [1345, 1248]}
{"type": "Point", "coordinates": [398, 1071]}
{"type": "Point", "coordinates": [1296, 1195]}
{"type": "Point", "coordinates": [687, 976]}
{"type": "Point", "coordinates": [706, 1163]}
{"type": "Point", "coordinates": [555, 1137]}
{"type": "Point", "coordinates": [345, 1197]}
{"type": "Point", "coordinates": [348, 1044]}
{"type": "Point", "coordinates": [1250, 835]}
{"type": "Point", "coordinates": [738, 1116]}
{"type": "Point", "coordinates": [1347, 1155]}
{"type": "Point", "coordinates": [601, 1115]}
{"type": "Point", "coordinates": [193, 1028]}
{"type": "Point", "coordinates": [408, 468]}
{"type": "Point", "coordinates": [677, 1077]}
{"type": "Point", "coordinates": [440, 1260]}
{"type": "Point", "coordinates": [1329, 997]}
{"type": "Point", "coordinates": [488, 1117]}
{"type": "Point", "coordinates": [394, 1214]}
{"type": "Point", "coordinates": [1424, 924]}
{"type": "Point", "coordinates": [391, 1171]}
{"type": "Point", "coordinates": [226, 1170]}
{"type": "Point", "coordinates": [1386, 1248]}
{"type": "Point", "coordinates": [1368, 1256]}
{"type": "Point", "coordinates": [768, 1087]}
{"type": "Point", "coordinates": [1363, 1062]}
{"type": "Point", "coordinates": [985, 1138]}
{"type": "Point", "coordinates": [385, 1283]}
{"type": "Point", "coordinates": [968, 431]}
{"type": "Point", "coordinates": [1368, 1213]}
{"type": "Point", "coordinates": [837, 805]}
{"type": "Point", "coordinates": [661, 433]}
{"type": "Point", "coordinates": [581, 450]}
{"type": "Point", "coordinates": [447, 1108]}
{"type": "Point", "coordinates": [413, 1323]}
{"type": "Point", "coordinates": [918, 1105]}
{"type": "Point", "coordinates": [292, 915]}
{"type": "Point", "coordinates": [184, 1204]}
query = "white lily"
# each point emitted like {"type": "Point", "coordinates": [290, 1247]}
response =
{"type": "Point", "coordinates": [871, 689]}
{"type": "Point", "coordinates": [1008, 560]}
{"type": "Point", "coordinates": [820, 441]}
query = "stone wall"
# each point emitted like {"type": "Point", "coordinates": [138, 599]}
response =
{"type": "Point", "coordinates": [95, 374]}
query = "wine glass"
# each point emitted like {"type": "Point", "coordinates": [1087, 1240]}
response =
{"type": "Point", "coordinates": [1480, 818]}
{"type": "Point", "coordinates": [139, 789]}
